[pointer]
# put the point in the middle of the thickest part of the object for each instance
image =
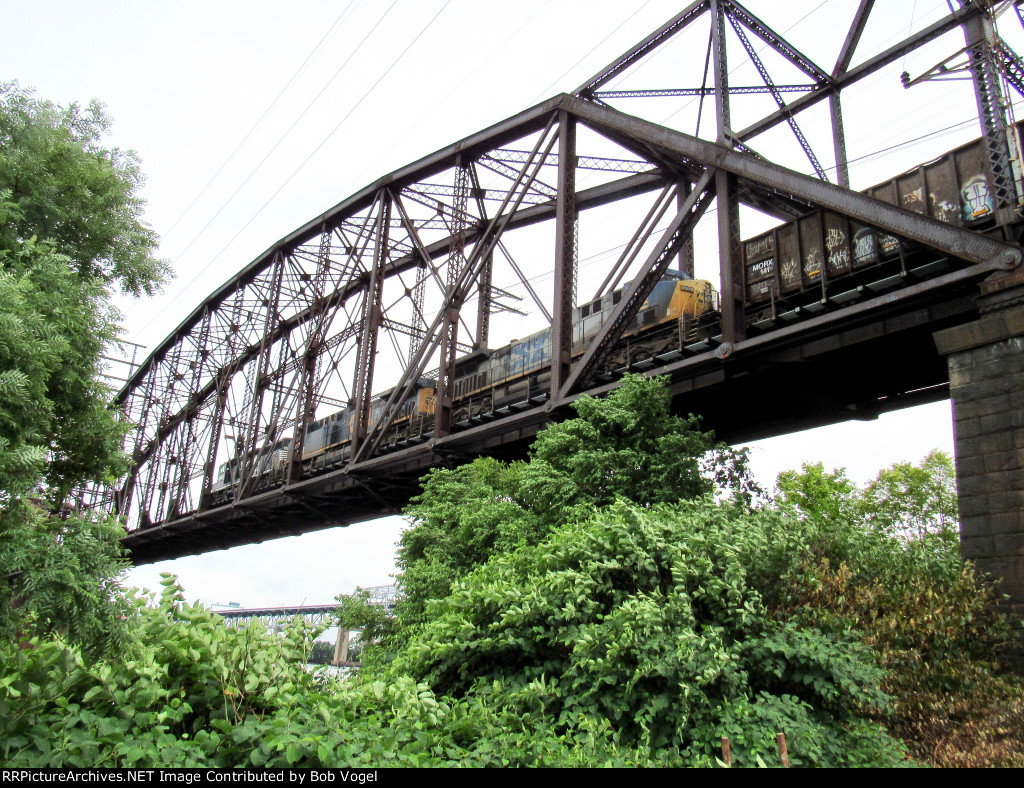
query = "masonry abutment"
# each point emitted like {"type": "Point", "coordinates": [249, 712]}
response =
{"type": "Point", "coordinates": [986, 380]}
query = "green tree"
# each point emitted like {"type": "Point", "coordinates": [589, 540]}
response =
{"type": "Point", "coordinates": [628, 633]}
{"type": "Point", "coordinates": [889, 563]}
{"type": "Point", "coordinates": [815, 492]}
{"type": "Point", "coordinates": [374, 622]}
{"type": "Point", "coordinates": [73, 191]}
{"type": "Point", "coordinates": [912, 500]}
{"type": "Point", "coordinates": [70, 233]}
{"type": "Point", "coordinates": [658, 621]}
{"type": "Point", "coordinates": [321, 653]}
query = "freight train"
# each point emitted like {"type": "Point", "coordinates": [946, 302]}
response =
{"type": "Point", "coordinates": [491, 383]}
{"type": "Point", "coordinates": [819, 261]}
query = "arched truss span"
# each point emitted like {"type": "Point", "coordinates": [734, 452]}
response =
{"type": "Point", "coordinates": [394, 292]}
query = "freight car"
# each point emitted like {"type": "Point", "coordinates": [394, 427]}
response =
{"type": "Point", "coordinates": [676, 314]}
{"type": "Point", "coordinates": [269, 462]}
{"type": "Point", "coordinates": [823, 259]}
{"type": "Point", "coordinates": [491, 383]}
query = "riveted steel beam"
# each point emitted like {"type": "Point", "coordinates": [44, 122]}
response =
{"type": "Point", "coordinates": [956, 241]}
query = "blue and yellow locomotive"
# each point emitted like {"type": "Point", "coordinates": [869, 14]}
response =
{"type": "Point", "coordinates": [491, 383]}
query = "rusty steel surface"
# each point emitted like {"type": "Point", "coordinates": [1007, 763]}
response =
{"type": "Point", "coordinates": [371, 319]}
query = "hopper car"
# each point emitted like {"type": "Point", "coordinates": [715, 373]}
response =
{"type": "Point", "coordinates": [823, 260]}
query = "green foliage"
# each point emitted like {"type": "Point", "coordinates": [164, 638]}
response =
{"type": "Point", "coordinates": [54, 420]}
{"type": "Point", "coordinates": [911, 501]}
{"type": "Point", "coordinates": [906, 500]}
{"type": "Point", "coordinates": [183, 697]}
{"type": "Point", "coordinates": [817, 493]}
{"type": "Point", "coordinates": [71, 190]}
{"type": "Point", "coordinates": [627, 445]}
{"type": "Point", "coordinates": [566, 611]}
{"type": "Point", "coordinates": [890, 565]}
{"type": "Point", "coordinates": [196, 692]}
{"type": "Point", "coordinates": [654, 621]}
{"type": "Point", "coordinates": [70, 232]}
{"type": "Point", "coordinates": [375, 623]}
{"type": "Point", "coordinates": [321, 653]}
{"type": "Point", "coordinates": [60, 578]}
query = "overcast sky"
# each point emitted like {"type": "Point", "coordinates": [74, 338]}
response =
{"type": "Point", "coordinates": [251, 118]}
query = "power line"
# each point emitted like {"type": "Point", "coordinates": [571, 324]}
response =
{"type": "Point", "coordinates": [305, 161]}
{"type": "Point", "coordinates": [436, 105]}
{"type": "Point", "coordinates": [614, 30]}
{"type": "Point", "coordinates": [262, 117]}
{"type": "Point", "coordinates": [288, 131]}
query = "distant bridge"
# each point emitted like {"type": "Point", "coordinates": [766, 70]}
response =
{"type": "Point", "coordinates": [315, 386]}
{"type": "Point", "coordinates": [320, 615]}
{"type": "Point", "coordinates": [273, 617]}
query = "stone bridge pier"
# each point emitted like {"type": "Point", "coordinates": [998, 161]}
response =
{"type": "Point", "coordinates": [986, 376]}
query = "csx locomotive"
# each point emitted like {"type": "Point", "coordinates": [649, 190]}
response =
{"type": "Point", "coordinates": [492, 383]}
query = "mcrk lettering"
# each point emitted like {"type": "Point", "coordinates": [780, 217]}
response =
{"type": "Point", "coordinates": [330, 776]}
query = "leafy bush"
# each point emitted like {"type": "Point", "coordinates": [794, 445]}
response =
{"type": "Point", "coordinates": [627, 446]}
{"type": "Point", "coordinates": [888, 563]}
{"type": "Point", "coordinates": [654, 621]}
{"type": "Point", "coordinates": [198, 692]}
{"type": "Point", "coordinates": [59, 577]}
{"type": "Point", "coordinates": [553, 619]}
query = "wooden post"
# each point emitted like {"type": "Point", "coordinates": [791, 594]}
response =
{"type": "Point", "coordinates": [726, 751]}
{"type": "Point", "coordinates": [780, 741]}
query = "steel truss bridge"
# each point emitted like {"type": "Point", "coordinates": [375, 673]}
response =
{"type": "Point", "coordinates": [318, 615]}
{"type": "Point", "coordinates": [384, 596]}
{"type": "Point", "coordinates": [402, 280]}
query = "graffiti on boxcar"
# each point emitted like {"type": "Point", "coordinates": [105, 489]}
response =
{"type": "Point", "coordinates": [977, 198]}
{"type": "Point", "coordinates": [760, 247]}
{"type": "Point", "coordinates": [838, 251]}
{"type": "Point", "coordinates": [943, 210]}
{"type": "Point", "coordinates": [913, 198]}
{"type": "Point", "coordinates": [812, 263]}
{"type": "Point", "coordinates": [865, 247]}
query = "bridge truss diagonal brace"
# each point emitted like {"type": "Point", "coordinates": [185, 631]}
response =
{"type": "Point", "coordinates": [654, 268]}
{"type": "Point", "coordinates": [644, 48]}
{"type": "Point", "coordinates": [371, 319]}
{"type": "Point", "coordinates": [467, 276]}
{"type": "Point", "coordinates": [847, 77]}
{"type": "Point", "coordinates": [954, 241]}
